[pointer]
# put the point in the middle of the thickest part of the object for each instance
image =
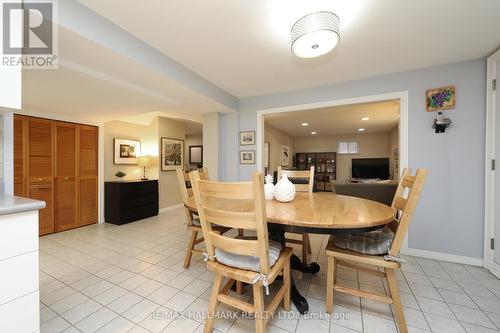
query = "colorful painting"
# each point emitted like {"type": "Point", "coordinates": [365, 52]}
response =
{"type": "Point", "coordinates": [440, 99]}
{"type": "Point", "coordinates": [172, 154]}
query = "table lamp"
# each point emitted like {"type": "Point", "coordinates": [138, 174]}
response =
{"type": "Point", "coordinates": [144, 162]}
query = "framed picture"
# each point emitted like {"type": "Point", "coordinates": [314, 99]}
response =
{"type": "Point", "coordinates": [285, 156]}
{"type": "Point", "coordinates": [126, 151]}
{"type": "Point", "coordinates": [247, 157]}
{"type": "Point", "coordinates": [247, 138]}
{"type": "Point", "coordinates": [172, 154]}
{"type": "Point", "coordinates": [195, 154]}
{"type": "Point", "coordinates": [266, 155]}
{"type": "Point", "coordinates": [440, 99]}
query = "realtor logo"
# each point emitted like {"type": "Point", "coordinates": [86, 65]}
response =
{"type": "Point", "coordinates": [29, 34]}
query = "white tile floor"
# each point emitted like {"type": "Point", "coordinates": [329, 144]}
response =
{"type": "Point", "coordinates": [107, 278]}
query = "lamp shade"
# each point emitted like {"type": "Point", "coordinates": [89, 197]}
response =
{"type": "Point", "coordinates": [144, 161]}
{"type": "Point", "coordinates": [315, 34]}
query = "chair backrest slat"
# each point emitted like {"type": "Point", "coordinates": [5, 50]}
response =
{"type": "Point", "coordinates": [234, 245]}
{"type": "Point", "coordinates": [299, 174]}
{"type": "Point", "coordinates": [399, 203]}
{"type": "Point", "coordinates": [234, 205]}
{"type": "Point", "coordinates": [412, 186]}
{"type": "Point", "coordinates": [238, 220]}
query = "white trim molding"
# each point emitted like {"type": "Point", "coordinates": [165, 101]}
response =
{"type": "Point", "coordinates": [489, 175]}
{"type": "Point", "coordinates": [443, 256]}
{"type": "Point", "coordinates": [170, 208]}
{"type": "Point", "coordinates": [402, 96]}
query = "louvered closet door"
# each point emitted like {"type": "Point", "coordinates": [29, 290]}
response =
{"type": "Point", "coordinates": [66, 209]}
{"type": "Point", "coordinates": [88, 168]}
{"type": "Point", "coordinates": [41, 169]}
{"type": "Point", "coordinates": [20, 181]}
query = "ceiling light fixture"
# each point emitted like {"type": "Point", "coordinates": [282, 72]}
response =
{"type": "Point", "coordinates": [315, 34]}
{"type": "Point", "coordinates": [365, 118]}
{"type": "Point", "coordinates": [361, 129]}
{"type": "Point", "coordinates": [314, 133]}
{"type": "Point", "coordinates": [305, 124]}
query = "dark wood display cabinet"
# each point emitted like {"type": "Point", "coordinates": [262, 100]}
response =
{"type": "Point", "coordinates": [325, 165]}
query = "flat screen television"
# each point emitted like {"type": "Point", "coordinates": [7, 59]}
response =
{"type": "Point", "coordinates": [370, 168]}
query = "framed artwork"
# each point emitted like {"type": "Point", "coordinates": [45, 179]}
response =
{"type": "Point", "coordinates": [285, 156]}
{"type": "Point", "coordinates": [126, 151]}
{"type": "Point", "coordinates": [172, 154]}
{"type": "Point", "coordinates": [247, 157]}
{"type": "Point", "coordinates": [440, 99]}
{"type": "Point", "coordinates": [266, 155]}
{"type": "Point", "coordinates": [195, 154]}
{"type": "Point", "coordinates": [247, 138]}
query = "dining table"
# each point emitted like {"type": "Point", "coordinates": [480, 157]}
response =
{"type": "Point", "coordinates": [317, 213]}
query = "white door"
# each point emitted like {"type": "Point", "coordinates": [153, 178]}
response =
{"type": "Point", "coordinates": [492, 213]}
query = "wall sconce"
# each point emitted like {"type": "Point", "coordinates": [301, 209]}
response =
{"type": "Point", "coordinates": [144, 162]}
{"type": "Point", "coordinates": [441, 123]}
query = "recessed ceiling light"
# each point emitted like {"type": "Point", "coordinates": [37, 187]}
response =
{"type": "Point", "coordinates": [365, 118]}
{"type": "Point", "coordinates": [314, 133]}
{"type": "Point", "coordinates": [361, 129]}
{"type": "Point", "coordinates": [305, 124]}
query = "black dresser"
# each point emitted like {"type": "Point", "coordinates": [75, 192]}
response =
{"type": "Point", "coordinates": [132, 200]}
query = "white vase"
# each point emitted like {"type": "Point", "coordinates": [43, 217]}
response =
{"type": "Point", "coordinates": [269, 188]}
{"type": "Point", "coordinates": [284, 190]}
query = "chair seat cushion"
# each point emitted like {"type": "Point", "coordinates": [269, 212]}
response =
{"type": "Point", "coordinates": [250, 263]}
{"type": "Point", "coordinates": [376, 242]}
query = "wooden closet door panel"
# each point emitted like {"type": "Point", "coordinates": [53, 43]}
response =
{"type": "Point", "coordinates": [88, 172]}
{"type": "Point", "coordinates": [20, 156]}
{"type": "Point", "coordinates": [66, 216]}
{"type": "Point", "coordinates": [45, 193]}
{"type": "Point", "coordinates": [40, 166]}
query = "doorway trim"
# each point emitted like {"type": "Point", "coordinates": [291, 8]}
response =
{"type": "Point", "coordinates": [489, 174]}
{"type": "Point", "coordinates": [402, 96]}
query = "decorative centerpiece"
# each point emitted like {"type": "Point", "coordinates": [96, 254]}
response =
{"type": "Point", "coordinates": [284, 190]}
{"type": "Point", "coordinates": [269, 188]}
{"type": "Point", "coordinates": [120, 175]}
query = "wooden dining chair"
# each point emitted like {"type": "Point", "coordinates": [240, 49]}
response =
{"type": "Point", "coordinates": [405, 201]}
{"type": "Point", "coordinates": [254, 261]}
{"type": "Point", "coordinates": [193, 221]}
{"type": "Point", "coordinates": [302, 174]}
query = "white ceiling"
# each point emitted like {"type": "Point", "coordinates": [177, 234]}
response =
{"type": "Point", "coordinates": [95, 83]}
{"type": "Point", "coordinates": [339, 120]}
{"type": "Point", "coordinates": [244, 46]}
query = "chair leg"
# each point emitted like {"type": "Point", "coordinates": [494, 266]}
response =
{"type": "Point", "coordinates": [309, 250]}
{"type": "Point", "coordinates": [239, 287]}
{"type": "Point", "coordinates": [287, 281]}
{"type": "Point", "coordinates": [398, 308]}
{"type": "Point", "coordinates": [190, 247]}
{"type": "Point", "coordinates": [212, 305]}
{"type": "Point", "coordinates": [305, 248]}
{"type": "Point", "coordinates": [330, 277]}
{"type": "Point", "coordinates": [258, 299]}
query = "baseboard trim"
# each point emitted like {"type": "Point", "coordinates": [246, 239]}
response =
{"type": "Point", "coordinates": [444, 256]}
{"type": "Point", "coordinates": [169, 208]}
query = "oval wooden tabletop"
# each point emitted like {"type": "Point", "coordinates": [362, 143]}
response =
{"type": "Point", "coordinates": [325, 210]}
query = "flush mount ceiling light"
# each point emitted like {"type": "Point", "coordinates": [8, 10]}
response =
{"type": "Point", "coordinates": [361, 129]}
{"type": "Point", "coordinates": [314, 133]}
{"type": "Point", "coordinates": [365, 118]}
{"type": "Point", "coordinates": [315, 34]}
{"type": "Point", "coordinates": [305, 124]}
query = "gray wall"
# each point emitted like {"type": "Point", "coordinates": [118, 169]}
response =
{"type": "Point", "coordinates": [449, 218]}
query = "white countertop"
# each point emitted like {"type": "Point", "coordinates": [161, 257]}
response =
{"type": "Point", "coordinates": [11, 204]}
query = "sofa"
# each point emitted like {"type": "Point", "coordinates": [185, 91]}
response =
{"type": "Point", "coordinates": [380, 192]}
